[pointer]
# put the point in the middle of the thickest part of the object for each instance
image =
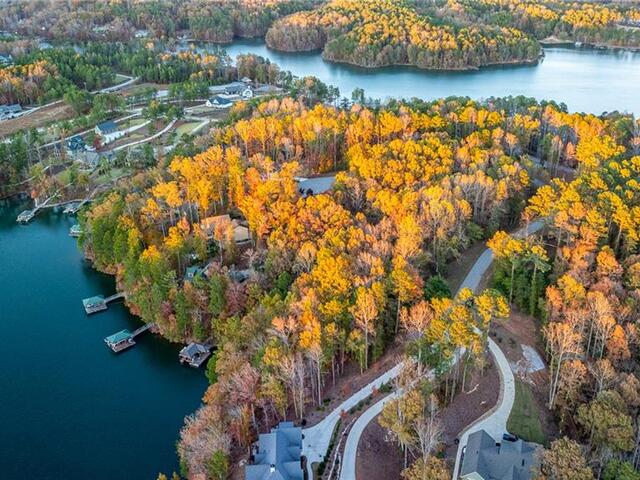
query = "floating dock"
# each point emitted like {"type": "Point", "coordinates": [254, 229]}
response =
{"type": "Point", "coordinates": [124, 339]}
{"type": "Point", "coordinates": [195, 354]}
{"type": "Point", "coordinates": [75, 231]}
{"type": "Point", "coordinates": [99, 303]}
{"type": "Point", "coordinates": [71, 208]}
{"type": "Point", "coordinates": [26, 216]}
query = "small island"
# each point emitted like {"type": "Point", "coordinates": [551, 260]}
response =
{"type": "Point", "coordinates": [453, 35]}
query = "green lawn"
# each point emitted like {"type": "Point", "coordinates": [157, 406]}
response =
{"type": "Point", "coordinates": [525, 416]}
{"type": "Point", "coordinates": [186, 128]}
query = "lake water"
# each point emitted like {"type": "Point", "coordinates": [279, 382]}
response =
{"type": "Point", "coordinates": [586, 80]}
{"type": "Point", "coordinates": [70, 408]}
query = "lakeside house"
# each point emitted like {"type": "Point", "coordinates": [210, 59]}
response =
{"type": "Point", "coordinates": [10, 111]}
{"type": "Point", "coordinates": [277, 455]}
{"type": "Point", "coordinates": [219, 102]}
{"type": "Point", "coordinates": [108, 131]}
{"type": "Point", "coordinates": [484, 459]}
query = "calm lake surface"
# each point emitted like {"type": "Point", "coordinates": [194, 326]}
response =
{"type": "Point", "coordinates": [587, 80]}
{"type": "Point", "coordinates": [71, 409]}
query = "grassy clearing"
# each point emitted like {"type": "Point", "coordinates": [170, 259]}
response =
{"type": "Point", "coordinates": [186, 128]}
{"type": "Point", "coordinates": [524, 420]}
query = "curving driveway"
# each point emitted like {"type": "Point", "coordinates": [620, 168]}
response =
{"type": "Point", "coordinates": [316, 439]}
{"type": "Point", "coordinates": [494, 422]}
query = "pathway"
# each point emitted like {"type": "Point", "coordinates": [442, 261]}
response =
{"type": "Point", "coordinates": [317, 438]}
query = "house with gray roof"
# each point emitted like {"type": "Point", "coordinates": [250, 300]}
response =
{"type": "Point", "coordinates": [278, 455]}
{"type": "Point", "coordinates": [484, 459]}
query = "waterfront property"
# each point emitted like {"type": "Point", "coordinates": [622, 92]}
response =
{"type": "Point", "coordinates": [124, 339]}
{"type": "Point", "coordinates": [98, 303]}
{"type": "Point", "coordinates": [194, 354]}
{"type": "Point", "coordinates": [26, 216]}
{"type": "Point", "coordinates": [277, 455]}
{"type": "Point", "coordinates": [484, 459]}
{"type": "Point", "coordinates": [120, 341]}
{"type": "Point", "coordinates": [75, 231]}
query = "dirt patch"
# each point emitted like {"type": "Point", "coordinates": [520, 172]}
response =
{"type": "Point", "coordinates": [350, 381]}
{"type": "Point", "coordinates": [519, 329]}
{"type": "Point", "coordinates": [378, 458]}
{"type": "Point", "coordinates": [42, 117]}
{"type": "Point", "coordinates": [480, 396]}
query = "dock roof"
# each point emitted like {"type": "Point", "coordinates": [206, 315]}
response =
{"type": "Point", "coordinates": [118, 337]}
{"type": "Point", "coordinates": [96, 300]}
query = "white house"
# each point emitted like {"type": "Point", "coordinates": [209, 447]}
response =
{"type": "Point", "coordinates": [108, 131]}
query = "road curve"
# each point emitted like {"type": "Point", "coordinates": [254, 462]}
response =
{"type": "Point", "coordinates": [495, 422]}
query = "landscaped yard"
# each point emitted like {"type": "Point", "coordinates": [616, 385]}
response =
{"type": "Point", "coordinates": [525, 417]}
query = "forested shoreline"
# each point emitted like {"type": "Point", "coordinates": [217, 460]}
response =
{"type": "Point", "coordinates": [332, 277]}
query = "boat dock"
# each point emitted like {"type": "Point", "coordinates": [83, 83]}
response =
{"type": "Point", "coordinates": [195, 354]}
{"type": "Point", "coordinates": [72, 207]}
{"type": "Point", "coordinates": [124, 339]}
{"type": "Point", "coordinates": [75, 231]}
{"type": "Point", "coordinates": [98, 303]}
{"type": "Point", "coordinates": [26, 216]}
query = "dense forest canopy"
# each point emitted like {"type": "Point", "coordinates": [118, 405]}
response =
{"type": "Point", "coordinates": [208, 20]}
{"type": "Point", "coordinates": [379, 33]}
{"type": "Point", "coordinates": [614, 24]}
{"type": "Point", "coordinates": [452, 34]}
{"type": "Point", "coordinates": [334, 276]}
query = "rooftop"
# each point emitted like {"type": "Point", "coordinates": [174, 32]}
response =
{"type": "Point", "coordinates": [508, 461]}
{"type": "Point", "coordinates": [107, 127]}
{"type": "Point", "coordinates": [194, 350]}
{"type": "Point", "coordinates": [121, 336]}
{"type": "Point", "coordinates": [278, 455]}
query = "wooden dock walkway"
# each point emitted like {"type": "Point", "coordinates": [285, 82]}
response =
{"type": "Point", "coordinates": [115, 296]}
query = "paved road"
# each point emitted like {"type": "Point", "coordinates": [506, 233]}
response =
{"type": "Point", "coordinates": [495, 423]}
